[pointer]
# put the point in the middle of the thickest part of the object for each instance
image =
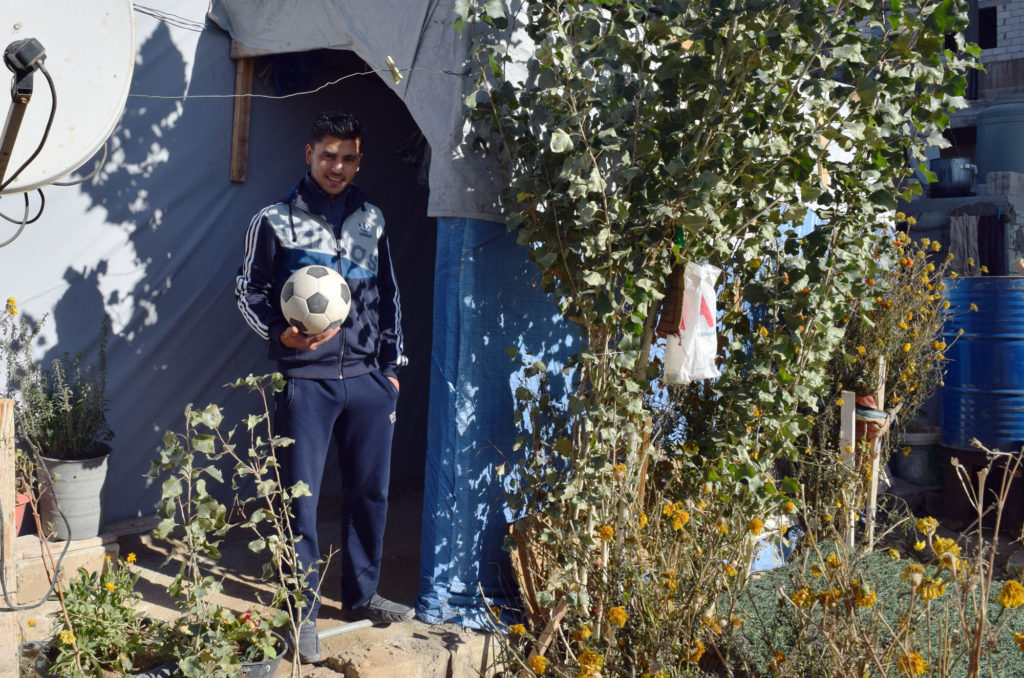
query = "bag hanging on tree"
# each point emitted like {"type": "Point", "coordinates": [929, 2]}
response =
{"type": "Point", "coordinates": [690, 354]}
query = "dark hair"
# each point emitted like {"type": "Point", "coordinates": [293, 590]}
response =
{"type": "Point", "coordinates": [344, 126]}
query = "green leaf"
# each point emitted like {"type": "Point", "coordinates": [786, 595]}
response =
{"type": "Point", "coordinates": [560, 142]}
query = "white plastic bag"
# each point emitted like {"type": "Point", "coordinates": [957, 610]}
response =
{"type": "Point", "coordinates": [690, 354]}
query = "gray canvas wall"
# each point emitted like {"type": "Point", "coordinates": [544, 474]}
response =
{"type": "Point", "coordinates": [155, 240]}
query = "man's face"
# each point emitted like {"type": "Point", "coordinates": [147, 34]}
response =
{"type": "Point", "coordinates": [333, 163]}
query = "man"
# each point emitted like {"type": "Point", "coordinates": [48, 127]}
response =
{"type": "Point", "coordinates": [341, 382]}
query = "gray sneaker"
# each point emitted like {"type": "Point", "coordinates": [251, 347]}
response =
{"type": "Point", "coordinates": [308, 647]}
{"type": "Point", "coordinates": [380, 610]}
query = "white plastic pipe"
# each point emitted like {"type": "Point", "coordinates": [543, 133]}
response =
{"type": "Point", "coordinates": [345, 628]}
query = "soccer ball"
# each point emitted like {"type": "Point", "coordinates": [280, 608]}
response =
{"type": "Point", "coordinates": [315, 298]}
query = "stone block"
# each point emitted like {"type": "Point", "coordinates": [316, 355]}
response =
{"type": "Point", "coordinates": [1004, 183]}
{"type": "Point", "coordinates": [474, 655]}
{"type": "Point", "coordinates": [33, 582]}
{"type": "Point", "coordinates": [408, 657]}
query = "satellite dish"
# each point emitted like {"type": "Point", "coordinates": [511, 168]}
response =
{"type": "Point", "coordinates": [90, 54]}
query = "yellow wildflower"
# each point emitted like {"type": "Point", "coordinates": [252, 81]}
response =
{"type": "Point", "coordinates": [936, 246]}
{"type": "Point", "coordinates": [722, 527]}
{"type": "Point", "coordinates": [861, 350]}
{"type": "Point", "coordinates": [839, 401]}
{"type": "Point", "coordinates": [617, 616]}
{"type": "Point", "coordinates": [730, 571]}
{"type": "Point", "coordinates": [31, 622]}
{"type": "Point", "coordinates": [894, 554]}
{"type": "Point", "coordinates": [12, 306]}
{"type": "Point", "coordinates": [918, 545]}
{"type": "Point", "coordinates": [641, 523]}
{"type": "Point", "coordinates": [833, 561]}
{"type": "Point", "coordinates": [539, 664]}
{"type": "Point", "coordinates": [931, 588]}
{"type": "Point", "coordinates": [736, 622]}
{"type": "Point", "coordinates": [829, 597]}
{"type": "Point", "coordinates": [927, 525]}
{"type": "Point", "coordinates": [788, 507]}
{"type": "Point", "coordinates": [914, 574]}
{"type": "Point", "coordinates": [680, 518]}
{"type": "Point", "coordinates": [763, 331]}
{"type": "Point", "coordinates": [816, 570]}
{"type": "Point", "coordinates": [912, 665]}
{"type": "Point", "coordinates": [696, 652]}
{"type": "Point", "coordinates": [900, 216]}
{"type": "Point", "coordinates": [67, 637]}
{"type": "Point", "coordinates": [755, 526]}
{"type": "Point", "coordinates": [668, 509]}
{"type": "Point", "coordinates": [590, 663]}
{"type": "Point", "coordinates": [606, 532]}
{"type": "Point", "coordinates": [906, 347]}
{"type": "Point", "coordinates": [984, 269]}
{"type": "Point", "coordinates": [973, 307]}
{"type": "Point", "coordinates": [970, 262]}
{"type": "Point", "coordinates": [1019, 639]}
{"type": "Point", "coordinates": [945, 545]}
{"type": "Point", "coordinates": [802, 598]}
{"type": "Point", "coordinates": [619, 468]}
{"type": "Point", "coordinates": [1012, 595]}
{"type": "Point", "coordinates": [945, 304]}
{"type": "Point", "coordinates": [131, 558]}
{"type": "Point", "coordinates": [517, 629]}
{"type": "Point", "coordinates": [582, 634]}
{"type": "Point", "coordinates": [110, 586]}
{"type": "Point", "coordinates": [911, 221]}
{"type": "Point", "coordinates": [948, 561]}
{"type": "Point", "coordinates": [904, 326]}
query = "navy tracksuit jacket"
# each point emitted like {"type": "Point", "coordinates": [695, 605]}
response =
{"type": "Point", "coordinates": [340, 389]}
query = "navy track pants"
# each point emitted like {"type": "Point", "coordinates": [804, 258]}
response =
{"type": "Point", "coordinates": [360, 413]}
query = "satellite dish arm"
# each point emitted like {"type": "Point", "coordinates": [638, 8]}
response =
{"type": "Point", "coordinates": [23, 58]}
{"type": "Point", "coordinates": [21, 93]}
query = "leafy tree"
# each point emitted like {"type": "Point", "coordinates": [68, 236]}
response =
{"type": "Point", "coordinates": [638, 136]}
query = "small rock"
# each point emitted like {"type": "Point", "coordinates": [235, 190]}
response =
{"type": "Point", "coordinates": [1015, 563]}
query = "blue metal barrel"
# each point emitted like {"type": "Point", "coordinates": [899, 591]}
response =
{"type": "Point", "coordinates": [983, 396]}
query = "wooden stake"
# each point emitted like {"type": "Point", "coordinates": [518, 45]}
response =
{"type": "Point", "coordinates": [244, 67]}
{"type": "Point", "coordinates": [9, 632]}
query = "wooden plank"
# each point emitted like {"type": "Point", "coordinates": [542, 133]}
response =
{"type": "Point", "coordinates": [9, 632]}
{"type": "Point", "coordinates": [244, 68]}
{"type": "Point", "coordinates": [876, 447]}
{"type": "Point", "coordinates": [847, 445]}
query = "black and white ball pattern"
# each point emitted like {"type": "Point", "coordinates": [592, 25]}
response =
{"type": "Point", "coordinates": [315, 298]}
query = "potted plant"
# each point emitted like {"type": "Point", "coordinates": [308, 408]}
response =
{"type": "Point", "coordinates": [24, 472]}
{"type": "Point", "coordinates": [206, 640]}
{"type": "Point", "coordinates": [100, 630]}
{"type": "Point", "coordinates": [61, 415]}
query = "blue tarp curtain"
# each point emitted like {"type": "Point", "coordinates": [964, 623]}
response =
{"type": "Point", "coordinates": [487, 299]}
